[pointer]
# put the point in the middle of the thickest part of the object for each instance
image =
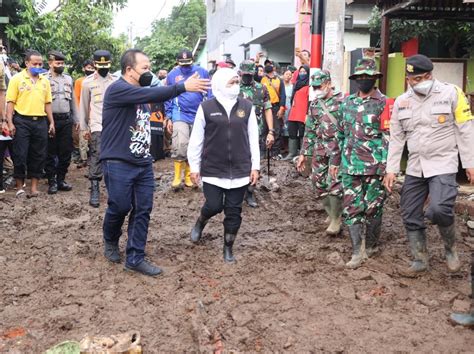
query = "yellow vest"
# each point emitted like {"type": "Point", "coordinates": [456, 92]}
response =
{"type": "Point", "coordinates": [273, 87]}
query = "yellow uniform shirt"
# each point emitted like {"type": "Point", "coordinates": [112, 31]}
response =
{"type": "Point", "coordinates": [29, 97]}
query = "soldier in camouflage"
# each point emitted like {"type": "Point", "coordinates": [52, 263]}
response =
{"type": "Point", "coordinates": [360, 158]}
{"type": "Point", "coordinates": [258, 95]}
{"type": "Point", "coordinates": [319, 141]}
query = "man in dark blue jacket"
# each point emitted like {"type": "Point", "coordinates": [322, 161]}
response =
{"type": "Point", "coordinates": [181, 110]}
{"type": "Point", "coordinates": [126, 157]}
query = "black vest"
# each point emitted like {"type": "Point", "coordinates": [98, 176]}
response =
{"type": "Point", "coordinates": [226, 151]}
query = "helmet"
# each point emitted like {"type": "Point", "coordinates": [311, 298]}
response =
{"type": "Point", "coordinates": [247, 67]}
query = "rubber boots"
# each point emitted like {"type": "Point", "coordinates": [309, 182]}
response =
{"type": "Point", "coordinates": [228, 244]}
{"type": "Point", "coordinates": [178, 169]}
{"type": "Point", "coordinates": [196, 232]}
{"type": "Point", "coordinates": [53, 185]}
{"type": "Point", "coordinates": [250, 197]}
{"type": "Point", "coordinates": [63, 185]}
{"type": "Point", "coordinates": [372, 236]}
{"type": "Point", "coordinates": [417, 240]}
{"type": "Point", "coordinates": [187, 176]}
{"type": "Point", "coordinates": [94, 200]}
{"type": "Point", "coordinates": [448, 234]}
{"type": "Point", "coordinates": [334, 210]}
{"type": "Point", "coordinates": [358, 246]}
{"type": "Point", "coordinates": [466, 319]}
{"type": "Point", "coordinates": [293, 145]}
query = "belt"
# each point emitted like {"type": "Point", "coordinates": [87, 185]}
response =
{"type": "Point", "coordinates": [30, 117]}
{"type": "Point", "coordinates": [61, 116]}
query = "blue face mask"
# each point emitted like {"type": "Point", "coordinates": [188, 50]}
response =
{"type": "Point", "coordinates": [186, 69]}
{"type": "Point", "coordinates": [36, 71]}
{"type": "Point", "coordinates": [302, 76]}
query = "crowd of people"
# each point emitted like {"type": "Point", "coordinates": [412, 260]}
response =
{"type": "Point", "coordinates": [217, 126]}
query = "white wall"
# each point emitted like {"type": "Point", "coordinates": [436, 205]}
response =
{"type": "Point", "coordinates": [354, 40]}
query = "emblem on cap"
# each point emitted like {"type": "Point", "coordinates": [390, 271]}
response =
{"type": "Point", "coordinates": [240, 113]}
{"type": "Point", "coordinates": [410, 68]}
{"type": "Point", "coordinates": [185, 56]}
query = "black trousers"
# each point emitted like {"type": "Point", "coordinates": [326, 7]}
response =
{"type": "Point", "coordinates": [156, 148]}
{"type": "Point", "coordinates": [442, 189]}
{"type": "Point", "coordinates": [229, 200]}
{"type": "Point", "coordinates": [30, 146]}
{"type": "Point", "coordinates": [295, 130]}
{"type": "Point", "coordinates": [59, 149]}
{"type": "Point", "coordinates": [4, 145]}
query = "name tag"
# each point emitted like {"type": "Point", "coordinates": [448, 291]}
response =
{"type": "Point", "coordinates": [215, 114]}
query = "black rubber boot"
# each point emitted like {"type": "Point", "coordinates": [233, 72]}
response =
{"type": "Point", "coordinates": [111, 252]}
{"type": "Point", "coordinates": [94, 200]}
{"type": "Point", "coordinates": [358, 246]}
{"type": "Point", "coordinates": [228, 244]}
{"type": "Point", "coordinates": [250, 197]}
{"type": "Point", "coordinates": [448, 234]}
{"type": "Point", "coordinates": [145, 268]}
{"type": "Point", "coordinates": [196, 232]}
{"type": "Point", "coordinates": [372, 236]}
{"type": "Point", "coordinates": [417, 240]}
{"type": "Point", "coordinates": [64, 186]}
{"type": "Point", "coordinates": [53, 186]}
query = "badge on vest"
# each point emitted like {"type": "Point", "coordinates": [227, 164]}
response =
{"type": "Point", "coordinates": [441, 119]}
{"type": "Point", "coordinates": [240, 113]}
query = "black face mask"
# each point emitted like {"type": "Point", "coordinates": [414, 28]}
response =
{"type": "Point", "coordinates": [257, 78]}
{"type": "Point", "coordinates": [365, 85]}
{"type": "Point", "coordinates": [103, 71]}
{"type": "Point", "coordinates": [247, 79]}
{"type": "Point", "coordinates": [58, 69]}
{"type": "Point", "coordinates": [145, 79]}
{"type": "Point", "coordinates": [161, 77]}
{"type": "Point", "coordinates": [269, 69]}
{"type": "Point", "coordinates": [88, 72]}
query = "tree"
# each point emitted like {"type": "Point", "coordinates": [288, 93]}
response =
{"type": "Point", "coordinates": [180, 30]}
{"type": "Point", "coordinates": [77, 28]}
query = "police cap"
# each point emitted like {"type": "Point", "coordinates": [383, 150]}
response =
{"type": "Point", "coordinates": [185, 57]}
{"type": "Point", "coordinates": [419, 64]}
{"type": "Point", "coordinates": [102, 59]}
{"type": "Point", "coordinates": [55, 55]}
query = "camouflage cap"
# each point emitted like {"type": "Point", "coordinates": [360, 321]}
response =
{"type": "Point", "coordinates": [319, 77]}
{"type": "Point", "coordinates": [366, 66]}
{"type": "Point", "coordinates": [247, 67]}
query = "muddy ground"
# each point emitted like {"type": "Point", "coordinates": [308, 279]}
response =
{"type": "Point", "coordinates": [288, 291]}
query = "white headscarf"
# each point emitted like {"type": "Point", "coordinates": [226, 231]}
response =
{"type": "Point", "coordinates": [219, 89]}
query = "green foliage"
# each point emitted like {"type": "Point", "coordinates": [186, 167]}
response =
{"type": "Point", "coordinates": [77, 28]}
{"type": "Point", "coordinates": [180, 30]}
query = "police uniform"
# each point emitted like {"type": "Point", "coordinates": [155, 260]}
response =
{"type": "Point", "coordinates": [64, 113]}
{"type": "Point", "coordinates": [363, 145]}
{"type": "Point", "coordinates": [90, 117]}
{"type": "Point", "coordinates": [436, 127]}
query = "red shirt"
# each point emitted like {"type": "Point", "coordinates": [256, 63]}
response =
{"type": "Point", "coordinates": [299, 108]}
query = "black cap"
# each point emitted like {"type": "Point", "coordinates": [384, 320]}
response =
{"type": "Point", "coordinates": [230, 62]}
{"type": "Point", "coordinates": [185, 57]}
{"type": "Point", "coordinates": [419, 64]}
{"type": "Point", "coordinates": [102, 59]}
{"type": "Point", "coordinates": [87, 62]}
{"type": "Point", "coordinates": [267, 62]}
{"type": "Point", "coordinates": [55, 55]}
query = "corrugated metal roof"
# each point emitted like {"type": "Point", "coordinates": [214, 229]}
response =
{"type": "Point", "coordinates": [428, 9]}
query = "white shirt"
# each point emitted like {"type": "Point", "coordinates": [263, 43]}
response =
{"type": "Point", "coordinates": [196, 143]}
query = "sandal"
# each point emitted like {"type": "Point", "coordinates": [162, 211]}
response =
{"type": "Point", "coordinates": [20, 193]}
{"type": "Point", "coordinates": [32, 195]}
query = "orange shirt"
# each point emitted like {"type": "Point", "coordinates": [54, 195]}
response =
{"type": "Point", "coordinates": [77, 89]}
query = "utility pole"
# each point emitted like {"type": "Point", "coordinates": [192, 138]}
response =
{"type": "Point", "coordinates": [130, 35]}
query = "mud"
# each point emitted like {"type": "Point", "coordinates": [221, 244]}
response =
{"type": "Point", "coordinates": [289, 290]}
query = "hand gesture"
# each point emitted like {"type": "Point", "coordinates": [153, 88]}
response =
{"type": "Point", "coordinates": [51, 131]}
{"type": "Point", "coordinates": [11, 128]}
{"type": "Point", "coordinates": [470, 175]}
{"type": "Point", "coordinates": [270, 141]}
{"type": "Point", "coordinates": [195, 84]}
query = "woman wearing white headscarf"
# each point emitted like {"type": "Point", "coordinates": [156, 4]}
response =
{"type": "Point", "coordinates": [223, 151]}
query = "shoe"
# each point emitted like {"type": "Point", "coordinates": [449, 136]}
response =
{"type": "Point", "coordinates": [358, 247]}
{"type": "Point", "coordinates": [228, 244]}
{"type": "Point", "coordinates": [372, 236]}
{"type": "Point", "coordinates": [463, 319]}
{"type": "Point", "coordinates": [145, 268]}
{"type": "Point", "coordinates": [111, 252]}
{"type": "Point", "coordinates": [250, 197]}
{"type": "Point", "coordinates": [448, 234]}
{"type": "Point", "coordinates": [178, 169]}
{"type": "Point", "coordinates": [187, 176]}
{"type": "Point", "coordinates": [53, 186]}
{"type": "Point", "coordinates": [94, 200]}
{"type": "Point", "coordinates": [64, 186]}
{"type": "Point", "coordinates": [292, 149]}
{"type": "Point", "coordinates": [196, 232]}
{"type": "Point", "coordinates": [417, 241]}
{"type": "Point", "coordinates": [334, 211]}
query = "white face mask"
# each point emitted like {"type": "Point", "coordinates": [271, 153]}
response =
{"type": "Point", "coordinates": [320, 93]}
{"type": "Point", "coordinates": [232, 92]}
{"type": "Point", "coordinates": [423, 88]}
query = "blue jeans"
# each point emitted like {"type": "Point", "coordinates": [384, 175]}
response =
{"type": "Point", "coordinates": [130, 189]}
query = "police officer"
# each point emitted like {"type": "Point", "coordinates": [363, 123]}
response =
{"type": "Point", "coordinates": [363, 145]}
{"type": "Point", "coordinates": [319, 139]}
{"type": "Point", "coordinates": [258, 95]}
{"type": "Point", "coordinates": [90, 115]}
{"type": "Point", "coordinates": [60, 146]}
{"type": "Point", "coordinates": [435, 121]}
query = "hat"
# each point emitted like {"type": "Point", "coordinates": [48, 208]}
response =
{"type": "Point", "coordinates": [222, 64]}
{"type": "Point", "coordinates": [365, 66]}
{"type": "Point", "coordinates": [267, 62]}
{"type": "Point", "coordinates": [247, 67]}
{"type": "Point", "coordinates": [230, 62]}
{"type": "Point", "coordinates": [88, 62]}
{"type": "Point", "coordinates": [102, 59]}
{"type": "Point", "coordinates": [320, 77]}
{"type": "Point", "coordinates": [185, 57]}
{"type": "Point", "coordinates": [419, 64]}
{"type": "Point", "coordinates": [55, 55]}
